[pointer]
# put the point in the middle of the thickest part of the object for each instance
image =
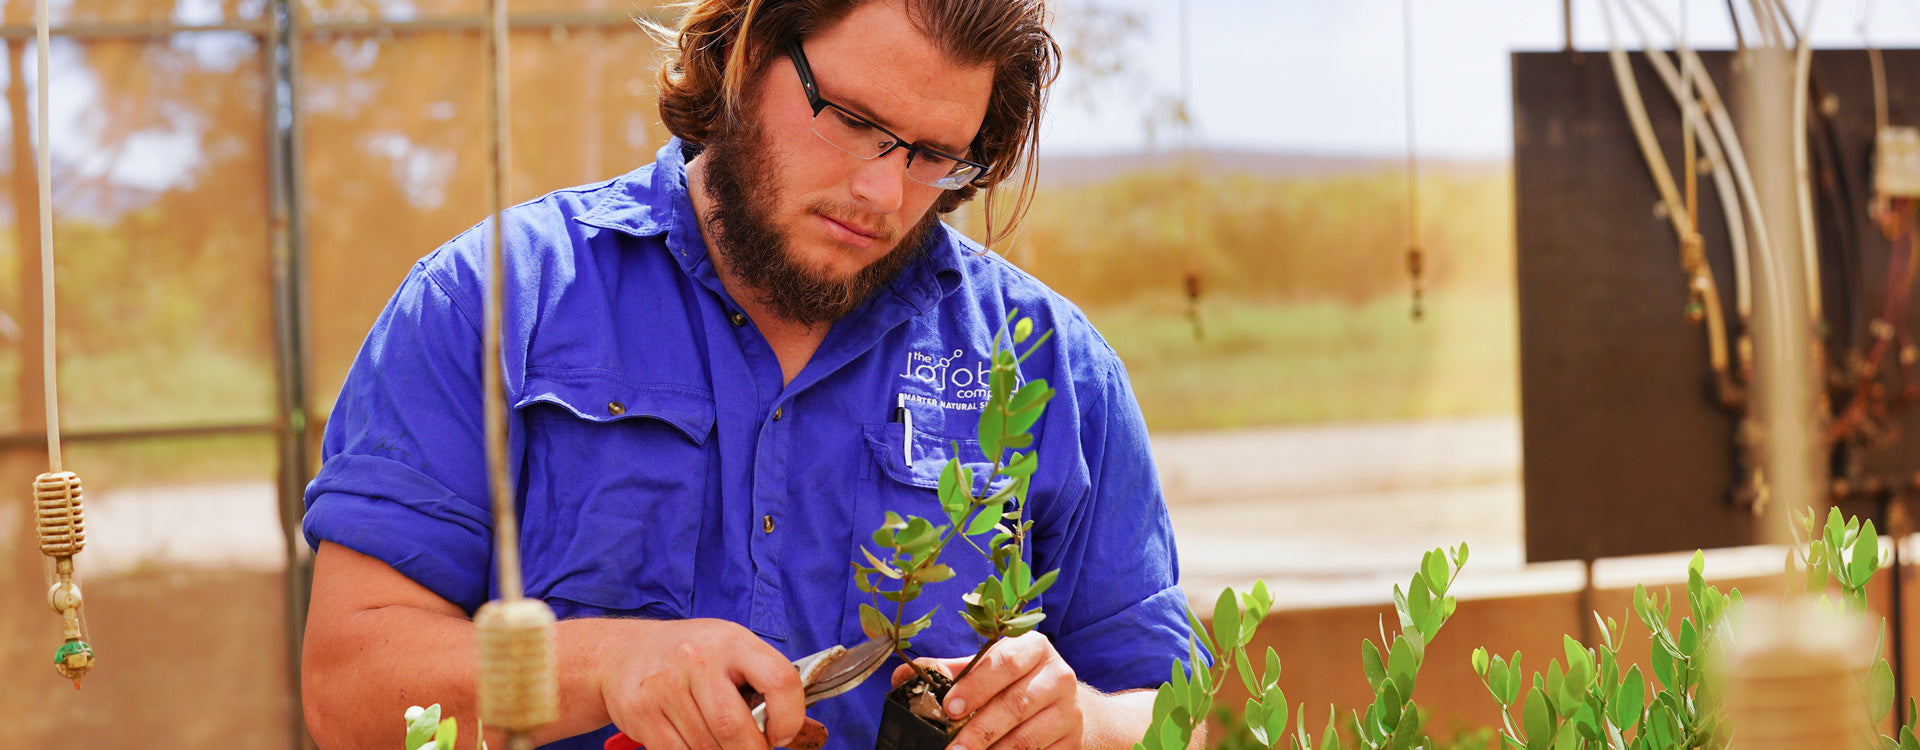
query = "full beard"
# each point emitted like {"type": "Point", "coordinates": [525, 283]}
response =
{"type": "Point", "coordinates": [741, 174]}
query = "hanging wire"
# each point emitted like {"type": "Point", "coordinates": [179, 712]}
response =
{"type": "Point", "coordinates": [47, 365]}
{"type": "Point", "coordinates": [1739, 36]}
{"type": "Point", "coordinates": [1191, 277]}
{"type": "Point", "coordinates": [1415, 255]}
{"type": "Point", "coordinates": [59, 516]}
{"type": "Point", "coordinates": [518, 688]}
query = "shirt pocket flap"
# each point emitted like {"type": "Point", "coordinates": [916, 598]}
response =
{"type": "Point", "coordinates": [599, 396]}
{"type": "Point", "coordinates": [921, 466]}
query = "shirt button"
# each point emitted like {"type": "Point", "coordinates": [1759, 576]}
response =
{"type": "Point", "coordinates": [776, 413]}
{"type": "Point", "coordinates": [616, 408]}
{"type": "Point", "coordinates": [738, 318]}
{"type": "Point", "coordinates": [766, 523]}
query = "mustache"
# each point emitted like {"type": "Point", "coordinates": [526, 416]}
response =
{"type": "Point", "coordinates": [855, 217]}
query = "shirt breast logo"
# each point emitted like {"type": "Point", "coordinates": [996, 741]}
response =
{"type": "Point", "coordinates": [957, 381]}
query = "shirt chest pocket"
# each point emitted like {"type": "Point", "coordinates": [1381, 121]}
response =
{"type": "Point", "coordinates": [905, 479]}
{"type": "Point", "coordinates": [616, 482]}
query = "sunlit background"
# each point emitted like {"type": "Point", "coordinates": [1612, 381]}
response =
{"type": "Point", "coordinates": [233, 207]}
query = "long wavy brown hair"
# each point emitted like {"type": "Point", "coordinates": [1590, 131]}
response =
{"type": "Point", "coordinates": [720, 42]}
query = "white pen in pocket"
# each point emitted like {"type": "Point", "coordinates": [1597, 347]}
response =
{"type": "Point", "coordinates": [906, 435]}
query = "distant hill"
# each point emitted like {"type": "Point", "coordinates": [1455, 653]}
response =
{"type": "Point", "coordinates": [1080, 169]}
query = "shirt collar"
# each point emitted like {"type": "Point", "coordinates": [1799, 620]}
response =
{"type": "Point", "coordinates": [653, 200]}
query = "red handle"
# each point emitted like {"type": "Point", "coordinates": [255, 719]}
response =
{"type": "Point", "coordinates": [620, 741]}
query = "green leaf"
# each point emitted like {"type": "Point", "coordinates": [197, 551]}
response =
{"type": "Point", "coordinates": [1689, 639]}
{"type": "Point", "coordinates": [421, 724]}
{"type": "Point", "coordinates": [1226, 622]}
{"type": "Point", "coordinates": [1629, 700]}
{"type": "Point", "coordinates": [1435, 568]}
{"type": "Point", "coordinates": [1420, 603]}
{"type": "Point", "coordinates": [1022, 330]}
{"type": "Point", "coordinates": [912, 629]}
{"type": "Point", "coordinates": [954, 494]}
{"type": "Point", "coordinates": [1497, 680]}
{"type": "Point", "coordinates": [1276, 717]}
{"type": "Point", "coordinates": [1539, 720]}
{"type": "Point", "coordinates": [1020, 466]}
{"type": "Point", "coordinates": [1193, 621]}
{"type": "Point", "coordinates": [1040, 586]}
{"type": "Point", "coordinates": [1567, 738]}
{"type": "Point", "coordinates": [1164, 701]}
{"type": "Point", "coordinates": [1022, 624]}
{"type": "Point", "coordinates": [1879, 688]}
{"type": "Point", "coordinates": [1402, 665]}
{"type": "Point", "coordinates": [1663, 663]}
{"type": "Point", "coordinates": [1330, 737]}
{"type": "Point", "coordinates": [1574, 688]}
{"type": "Point", "coordinates": [1577, 653]}
{"type": "Point", "coordinates": [1371, 663]}
{"type": "Point", "coordinates": [449, 732]}
{"type": "Point", "coordinates": [1171, 737]}
{"type": "Point", "coordinates": [985, 520]}
{"type": "Point", "coordinates": [1027, 405]}
{"type": "Point", "coordinates": [992, 428]}
{"type": "Point", "coordinates": [1400, 608]}
{"type": "Point", "coordinates": [1659, 730]}
{"type": "Point", "coordinates": [1256, 718]}
{"type": "Point", "coordinates": [1271, 677]}
{"type": "Point", "coordinates": [879, 566]}
{"type": "Point", "coordinates": [1480, 662]}
{"type": "Point", "coordinates": [1866, 557]}
{"type": "Point", "coordinates": [1389, 703]}
{"type": "Point", "coordinates": [1247, 678]}
{"type": "Point", "coordinates": [872, 622]}
{"type": "Point", "coordinates": [1907, 740]}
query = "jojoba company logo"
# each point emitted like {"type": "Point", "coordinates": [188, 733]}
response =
{"type": "Point", "coordinates": [948, 375]}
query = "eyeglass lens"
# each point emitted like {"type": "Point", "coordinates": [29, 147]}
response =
{"type": "Point", "coordinates": [858, 137]}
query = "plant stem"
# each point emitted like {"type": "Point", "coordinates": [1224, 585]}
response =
{"type": "Point", "coordinates": [977, 656]}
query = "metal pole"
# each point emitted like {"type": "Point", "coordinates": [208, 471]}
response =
{"type": "Point", "coordinates": [289, 281]}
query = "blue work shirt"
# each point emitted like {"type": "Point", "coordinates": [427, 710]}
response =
{"type": "Point", "coordinates": [665, 472]}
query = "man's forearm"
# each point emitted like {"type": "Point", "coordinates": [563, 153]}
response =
{"type": "Point", "coordinates": [1115, 721]}
{"type": "Point", "coordinates": [362, 673]}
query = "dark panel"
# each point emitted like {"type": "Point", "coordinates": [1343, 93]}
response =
{"type": "Point", "coordinates": [1627, 449]}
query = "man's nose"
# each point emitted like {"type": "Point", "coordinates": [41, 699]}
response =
{"type": "Point", "coordinates": [881, 182]}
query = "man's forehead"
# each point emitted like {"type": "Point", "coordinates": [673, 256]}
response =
{"type": "Point", "coordinates": [879, 63]}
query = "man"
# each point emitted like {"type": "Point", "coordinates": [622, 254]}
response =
{"type": "Point", "coordinates": [704, 359]}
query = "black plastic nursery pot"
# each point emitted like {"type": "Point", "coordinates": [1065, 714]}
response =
{"type": "Point", "coordinates": [902, 729]}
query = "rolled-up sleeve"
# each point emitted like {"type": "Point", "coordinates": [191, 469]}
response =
{"type": "Point", "coordinates": [402, 478]}
{"type": "Point", "coordinates": [1122, 618]}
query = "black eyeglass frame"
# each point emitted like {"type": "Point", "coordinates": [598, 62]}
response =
{"type": "Point", "coordinates": [818, 102]}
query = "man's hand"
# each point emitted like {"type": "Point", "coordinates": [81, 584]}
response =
{"type": "Point", "coordinates": [679, 691]}
{"type": "Point", "coordinates": [1023, 697]}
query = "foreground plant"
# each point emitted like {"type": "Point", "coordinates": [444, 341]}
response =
{"type": "Point", "coordinates": [984, 511]}
{"type": "Point", "coordinates": [1591, 704]}
{"type": "Point", "coordinates": [427, 731]}
{"type": "Point", "coordinates": [1392, 667]}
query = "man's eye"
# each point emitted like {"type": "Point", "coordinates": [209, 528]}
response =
{"type": "Point", "coordinates": [851, 122]}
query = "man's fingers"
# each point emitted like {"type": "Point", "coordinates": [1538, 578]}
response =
{"type": "Point", "coordinates": [1052, 725]}
{"type": "Point", "coordinates": [780, 685]}
{"type": "Point", "coordinates": [725, 718]}
{"type": "Point", "coordinates": [1004, 665]}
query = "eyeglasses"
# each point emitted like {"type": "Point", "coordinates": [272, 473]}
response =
{"type": "Point", "coordinates": [860, 137]}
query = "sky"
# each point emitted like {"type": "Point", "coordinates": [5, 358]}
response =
{"type": "Point", "coordinates": [1328, 76]}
